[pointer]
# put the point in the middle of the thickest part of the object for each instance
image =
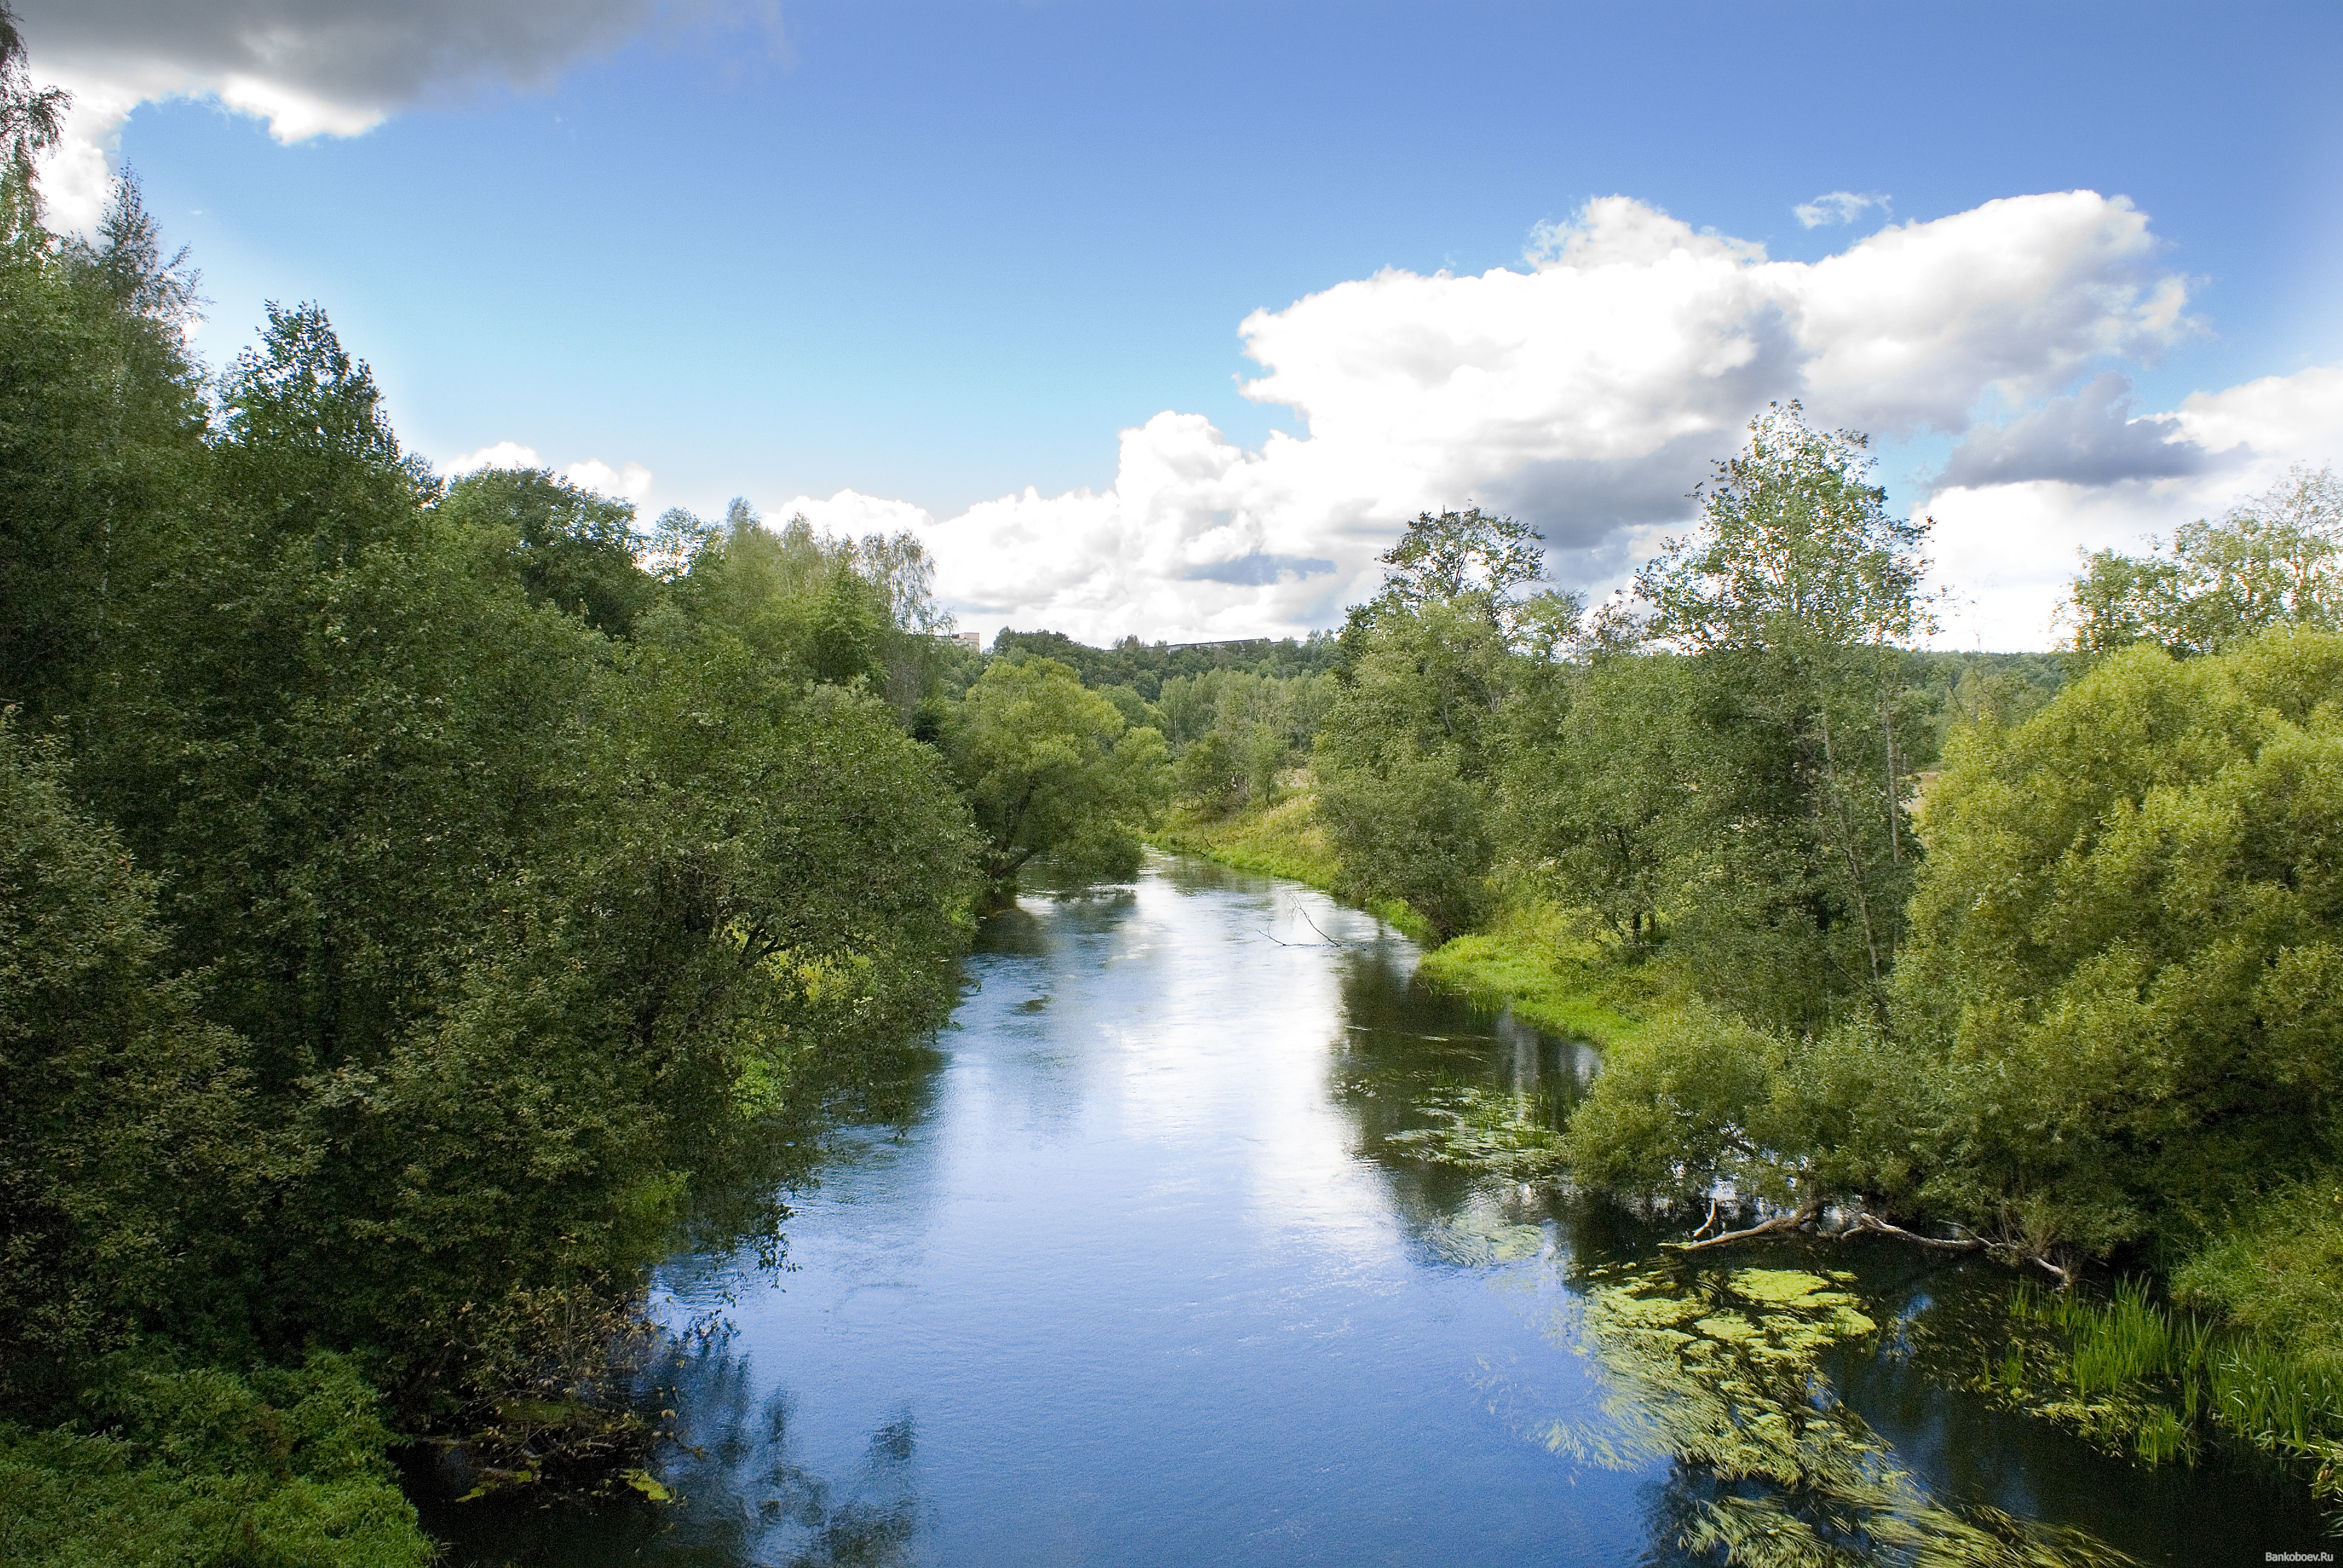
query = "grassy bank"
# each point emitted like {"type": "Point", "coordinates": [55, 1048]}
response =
{"type": "Point", "coordinates": [1536, 960]}
{"type": "Point", "coordinates": [1540, 962]}
{"type": "Point", "coordinates": [1282, 840]}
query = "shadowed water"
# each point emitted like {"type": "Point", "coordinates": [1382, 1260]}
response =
{"type": "Point", "coordinates": [1146, 1280]}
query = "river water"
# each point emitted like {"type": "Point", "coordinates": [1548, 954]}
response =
{"type": "Point", "coordinates": [1144, 1279]}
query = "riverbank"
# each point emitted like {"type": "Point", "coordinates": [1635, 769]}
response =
{"type": "Point", "coordinates": [2246, 1352]}
{"type": "Point", "coordinates": [1537, 960]}
{"type": "Point", "coordinates": [1282, 839]}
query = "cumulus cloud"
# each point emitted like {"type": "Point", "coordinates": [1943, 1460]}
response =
{"type": "Point", "coordinates": [1836, 207]}
{"type": "Point", "coordinates": [2010, 549]}
{"type": "Point", "coordinates": [308, 67]}
{"type": "Point", "coordinates": [628, 482]}
{"type": "Point", "coordinates": [502, 455]}
{"type": "Point", "coordinates": [2088, 438]}
{"type": "Point", "coordinates": [1587, 393]}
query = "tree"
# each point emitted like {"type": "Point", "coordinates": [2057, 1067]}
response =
{"type": "Point", "coordinates": [1050, 768]}
{"type": "Point", "coordinates": [1595, 809]}
{"type": "Point", "coordinates": [1406, 754]}
{"type": "Point", "coordinates": [2276, 559]}
{"type": "Point", "coordinates": [2125, 952]}
{"type": "Point", "coordinates": [31, 120]}
{"type": "Point", "coordinates": [1455, 555]}
{"type": "Point", "coordinates": [102, 436]}
{"type": "Point", "coordinates": [570, 547]}
{"type": "Point", "coordinates": [1790, 598]}
{"type": "Point", "coordinates": [126, 1144]}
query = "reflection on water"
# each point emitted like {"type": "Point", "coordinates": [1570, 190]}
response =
{"type": "Point", "coordinates": [1168, 1257]}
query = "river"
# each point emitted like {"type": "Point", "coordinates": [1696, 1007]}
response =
{"type": "Point", "coordinates": [1145, 1278]}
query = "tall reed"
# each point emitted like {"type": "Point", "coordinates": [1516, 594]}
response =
{"type": "Point", "coordinates": [2165, 1376]}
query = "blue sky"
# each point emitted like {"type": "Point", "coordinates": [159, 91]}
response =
{"type": "Point", "coordinates": [935, 254]}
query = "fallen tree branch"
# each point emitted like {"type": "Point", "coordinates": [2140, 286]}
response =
{"type": "Point", "coordinates": [1872, 1224]}
{"type": "Point", "coordinates": [2066, 1276]}
{"type": "Point", "coordinates": [1801, 1216]}
{"type": "Point", "coordinates": [1313, 925]}
{"type": "Point", "coordinates": [1706, 1225]}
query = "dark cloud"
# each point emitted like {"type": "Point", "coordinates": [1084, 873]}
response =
{"type": "Point", "coordinates": [1581, 504]}
{"type": "Point", "coordinates": [2088, 438]}
{"type": "Point", "coordinates": [363, 58]}
{"type": "Point", "coordinates": [1259, 570]}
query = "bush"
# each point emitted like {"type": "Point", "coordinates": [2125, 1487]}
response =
{"type": "Point", "coordinates": [176, 1469]}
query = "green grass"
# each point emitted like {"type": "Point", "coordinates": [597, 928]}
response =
{"type": "Point", "coordinates": [1284, 840]}
{"type": "Point", "coordinates": [1536, 959]}
{"type": "Point", "coordinates": [2132, 1371]}
{"type": "Point", "coordinates": [1539, 961]}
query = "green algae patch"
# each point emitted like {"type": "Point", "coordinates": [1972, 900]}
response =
{"type": "Point", "coordinates": [1488, 1131]}
{"type": "Point", "coordinates": [1479, 1243]}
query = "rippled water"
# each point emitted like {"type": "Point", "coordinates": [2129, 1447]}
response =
{"type": "Point", "coordinates": [1146, 1282]}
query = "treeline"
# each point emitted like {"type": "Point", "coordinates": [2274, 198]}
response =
{"type": "Point", "coordinates": [424, 905]}
{"type": "Point", "coordinates": [1144, 668]}
{"type": "Point", "coordinates": [2037, 958]}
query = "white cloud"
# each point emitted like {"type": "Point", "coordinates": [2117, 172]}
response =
{"type": "Point", "coordinates": [2088, 438]}
{"type": "Point", "coordinates": [1836, 207]}
{"type": "Point", "coordinates": [502, 454]}
{"type": "Point", "coordinates": [1587, 394]}
{"type": "Point", "coordinates": [627, 482]}
{"type": "Point", "coordinates": [2009, 551]}
{"type": "Point", "coordinates": [308, 67]}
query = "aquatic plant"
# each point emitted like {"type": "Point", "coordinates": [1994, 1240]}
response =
{"type": "Point", "coordinates": [2137, 1375]}
{"type": "Point", "coordinates": [1507, 1134]}
{"type": "Point", "coordinates": [1719, 1370]}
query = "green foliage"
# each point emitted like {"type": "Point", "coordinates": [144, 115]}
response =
{"type": "Point", "coordinates": [1050, 768]}
{"type": "Point", "coordinates": [102, 418]}
{"type": "Point", "coordinates": [1685, 1105]}
{"type": "Point", "coordinates": [124, 1122]}
{"type": "Point", "coordinates": [1211, 775]}
{"type": "Point", "coordinates": [1595, 804]}
{"type": "Point", "coordinates": [815, 607]}
{"type": "Point", "coordinates": [1794, 860]}
{"type": "Point", "coordinates": [1455, 555]}
{"type": "Point", "coordinates": [32, 120]}
{"type": "Point", "coordinates": [2124, 940]}
{"type": "Point", "coordinates": [1407, 753]}
{"type": "Point", "coordinates": [2277, 1270]}
{"type": "Point", "coordinates": [1149, 667]}
{"type": "Point", "coordinates": [418, 914]}
{"type": "Point", "coordinates": [570, 547]}
{"type": "Point", "coordinates": [1409, 828]}
{"type": "Point", "coordinates": [202, 1468]}
{"type": "Point", "coordinates": [1796, 552]}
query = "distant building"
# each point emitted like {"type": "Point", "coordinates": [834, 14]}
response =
{"type": "Point", "coordinates": [973, 640]}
